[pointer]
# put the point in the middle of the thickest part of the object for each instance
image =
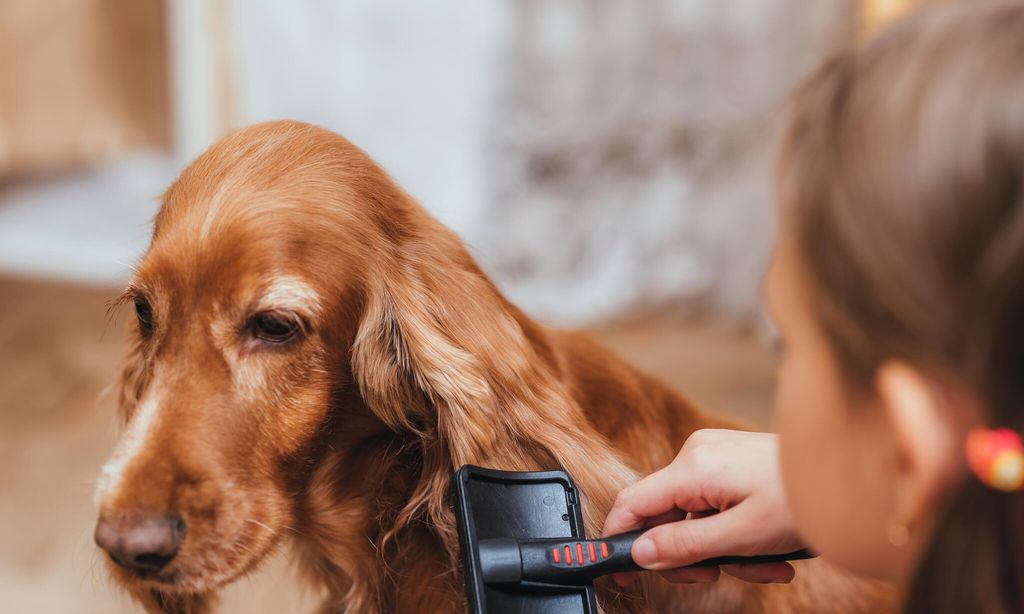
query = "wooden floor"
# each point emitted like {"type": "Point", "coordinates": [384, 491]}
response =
{"type": "Point", "coordinates": [58, 354]}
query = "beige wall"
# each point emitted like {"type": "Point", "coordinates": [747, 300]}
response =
{"type": "Point", "coordinates": [80, 80]}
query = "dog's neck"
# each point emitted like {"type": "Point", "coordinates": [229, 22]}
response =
{"type": "Point", "coordinates": [349, 545]}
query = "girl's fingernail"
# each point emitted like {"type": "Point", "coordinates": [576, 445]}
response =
{"type": "Point", "coordinates": [644, 552]}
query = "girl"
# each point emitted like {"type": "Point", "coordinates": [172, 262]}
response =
{"type": "Point", "coordinates": [898, 287]}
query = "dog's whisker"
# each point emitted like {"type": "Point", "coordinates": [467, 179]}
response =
{"type": "Point", "coordinates": [259, 524]}
{"type": "Point", "coordinates": [243, 548]}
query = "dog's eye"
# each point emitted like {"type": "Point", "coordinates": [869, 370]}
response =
{"type": "Point", "coordinates": [144, 313]}
{"type": "Point", "coordinates": [274, 327]}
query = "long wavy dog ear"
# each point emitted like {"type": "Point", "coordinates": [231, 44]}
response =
{"type": "Point", "coordinates": [441, 355]}
{"type": "Point", "coordinates": [432, 348]}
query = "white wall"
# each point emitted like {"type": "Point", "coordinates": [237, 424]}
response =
{"type": "Point", "coordinates": [411, 82]}
{"type": "Point", "coordinates": [600, 157]}
{"type": "Point", "coordinates": [632, 169]}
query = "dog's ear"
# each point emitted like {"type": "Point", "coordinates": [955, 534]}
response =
{"type": "Point", "coordinates": [434, 335]}
{"type": "Point", "coordinates": [442, 356]}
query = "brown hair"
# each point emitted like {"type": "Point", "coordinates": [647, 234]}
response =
{"type": "Point", "coordinates": [902, 174]}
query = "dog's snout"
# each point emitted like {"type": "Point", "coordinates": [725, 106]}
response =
{"type": "Point", "coordinates": [140, 542]}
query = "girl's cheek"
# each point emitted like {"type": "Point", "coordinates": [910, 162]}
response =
{"type": "Point", "coordinates": [837, 505]}
{"type": "Point", "coordinates": [795, 447]}
{"type": "Point", "coordinates": [812, 446]}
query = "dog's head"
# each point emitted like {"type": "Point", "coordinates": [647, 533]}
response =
{"type": "Point", "coordinates": [292, 300]}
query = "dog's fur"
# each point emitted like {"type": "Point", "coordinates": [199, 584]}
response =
{"type": "Point", "coordinates": [343, 440]}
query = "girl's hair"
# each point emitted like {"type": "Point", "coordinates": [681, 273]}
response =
{"type": "Point", "coordinates": [902, 181]}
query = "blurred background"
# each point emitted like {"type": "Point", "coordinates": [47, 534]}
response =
{"type": "Point", "coordinates": [609, 164]}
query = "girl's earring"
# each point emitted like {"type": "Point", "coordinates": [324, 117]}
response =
{"type": "Point", "coordinates": [898, 533]}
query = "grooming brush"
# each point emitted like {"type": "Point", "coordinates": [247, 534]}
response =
{"type": "Point", "coordinates": [524, 549]}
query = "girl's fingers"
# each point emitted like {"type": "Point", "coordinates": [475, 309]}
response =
{"type": "Point", "coordinates": [651, 496]}
{"type": "Point", "coordinates": [662, 492]}
{"type": "Point", "coordinates": [713, 470]}
{"type": "Point", "coordinates": [691, 575]}
{"type": "Point", "coordinates": [688, 541]}
{"type": "Point", "coordinates": [762, 573]}
{"type": "Point", "coordinates": [624, 579]}
{"type": "Point", "coordinates": [683, 575]}
{"type": "Point", "coordinates": [672, 516]}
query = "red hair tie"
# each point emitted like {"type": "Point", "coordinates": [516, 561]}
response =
{"type": "Point", "coordinates": [996, 456]}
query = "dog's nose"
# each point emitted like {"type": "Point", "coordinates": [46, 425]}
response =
{"type": "Point", "coordinates": [142, 543]}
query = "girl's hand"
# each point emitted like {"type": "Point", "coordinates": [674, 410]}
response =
{"type": "Point", "coordinates": [722, 495]}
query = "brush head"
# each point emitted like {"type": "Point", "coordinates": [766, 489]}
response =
{"type": "Point", "coordinates": [517, 506]}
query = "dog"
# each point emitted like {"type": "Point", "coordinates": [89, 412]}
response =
{"type": "Point", "coordinates": [313, 357]}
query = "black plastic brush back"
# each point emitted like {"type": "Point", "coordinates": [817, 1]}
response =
{"type": "Point", "coordinates": [521, 506]}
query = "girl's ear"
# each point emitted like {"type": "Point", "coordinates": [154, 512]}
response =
{"type": "Point", "coordinates": [928, 440]}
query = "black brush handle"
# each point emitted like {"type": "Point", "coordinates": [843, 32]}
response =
{"type": "Point", "coordinates": [578, 562]}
